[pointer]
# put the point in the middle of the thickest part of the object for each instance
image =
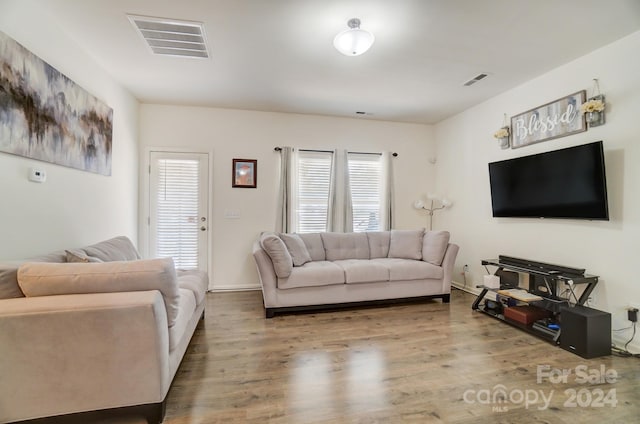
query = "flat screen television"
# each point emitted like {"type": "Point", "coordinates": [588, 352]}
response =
{"type": "Point", "coordinates": [566, 183]}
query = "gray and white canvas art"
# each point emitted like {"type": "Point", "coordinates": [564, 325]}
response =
{"type": "Point", "coordinates": [46, 116]}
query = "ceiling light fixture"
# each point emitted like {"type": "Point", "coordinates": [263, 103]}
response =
{"type": "Point", "coordinates": [353, 41]}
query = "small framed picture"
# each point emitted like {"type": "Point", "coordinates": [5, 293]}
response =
{"type": "Point", "coordinates": [245, 173]}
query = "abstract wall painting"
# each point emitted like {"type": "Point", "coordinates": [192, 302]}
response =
{"type": "Point", "coordinates": [46, 116]}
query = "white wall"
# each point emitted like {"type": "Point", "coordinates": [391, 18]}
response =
{"type": "Point", "coordinates": [232, 134]}
{"type": "Point", "coordinates": [610, 249]}
{"type": "Point", "coordinates": [73, 208]}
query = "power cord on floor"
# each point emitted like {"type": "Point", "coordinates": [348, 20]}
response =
{"type": "Point", "coordinates": [624, 352]}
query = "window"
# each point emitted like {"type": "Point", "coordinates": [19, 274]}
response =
{"type": "Point", "coordinates": [338, 192]}
{"type": "Point", "coordinates": [312, 189]}
{"type": "Point", "coordinates": [367, 194]}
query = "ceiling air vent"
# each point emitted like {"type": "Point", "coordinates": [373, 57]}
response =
{"type": "Point", "coordinates": [475, 79]}
{"type": "Point", "coordinates": [170, 37]}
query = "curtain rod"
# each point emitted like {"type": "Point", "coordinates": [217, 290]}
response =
{"type": "Point", "coordinates": [277, 149]}
{"type": "Point", "coordinates": [394, 154]}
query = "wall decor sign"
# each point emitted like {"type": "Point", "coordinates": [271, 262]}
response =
{"type": "Point", "coordinates": [46, 116]}
{"type": "Point", "coordinates": [244, 173]}
{"type": "Point", "coordinates": [555, 119]}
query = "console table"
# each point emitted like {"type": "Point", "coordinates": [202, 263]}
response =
{"type": "Point", "coordinates": [543, 281]}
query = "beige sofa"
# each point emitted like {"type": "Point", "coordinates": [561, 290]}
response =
{"type": "Point", "coordinates": [310, 271]}
{"type": "Point", "coordinates": [93, 329]}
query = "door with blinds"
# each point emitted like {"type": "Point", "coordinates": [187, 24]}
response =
{"type": "Point", "coordinates": [178, 219]}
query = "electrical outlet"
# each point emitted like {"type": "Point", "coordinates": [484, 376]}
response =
{"type": "Point", "coordinates": [632, 312]}
{"type": "Point", "coordinates": [633, 305]}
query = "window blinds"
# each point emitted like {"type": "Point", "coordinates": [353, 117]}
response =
{"type": "Point", "coordinates": [312, 191]}
{"type": "Point", "coordinates": [366, 184]}
{"type": "Point", "coordinates": [177, 211]}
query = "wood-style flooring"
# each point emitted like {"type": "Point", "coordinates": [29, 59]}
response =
{"type": "Point", "coordinates": [420, 363]}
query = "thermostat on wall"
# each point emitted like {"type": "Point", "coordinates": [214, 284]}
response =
{"type": "Point", "coordinates": [37, 175]}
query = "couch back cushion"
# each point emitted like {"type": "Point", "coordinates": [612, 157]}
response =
{"type": "Point", "coordinates": [339, 246]}
{"type": "Point", "coordinates": [278, 252]}
{"type": "Point", "coordinates": [378, 244]}
{"type": "Point", "coordinates": [434, 246]}
{"type": "Point", "coordinates": [115, 249]}
{"type": "Point", "coordinates": [406, 244]}
{"type": "Point", "coordinates": [50, 279]}
{"type": "Point", "coordinates": [297, 249]}
{"type": "Point", "coordinates": [313, 241]}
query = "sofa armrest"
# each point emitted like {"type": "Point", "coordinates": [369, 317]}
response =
{"type": "Point", "coordinates": [447, 265]}
{"type": "Point", "coordinates": [267, 275]}
{"type": "Point", "coordinates": [75, 353]}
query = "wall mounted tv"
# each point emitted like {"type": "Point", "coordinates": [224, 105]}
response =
{"type": "Point", "coordinates": [566, 183]}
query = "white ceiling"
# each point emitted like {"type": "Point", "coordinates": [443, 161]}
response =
{"type": "Point", "coordinates": [277, 55]}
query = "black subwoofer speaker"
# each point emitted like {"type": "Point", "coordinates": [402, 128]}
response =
{"type": "Point", "coordinates": [585, 331]}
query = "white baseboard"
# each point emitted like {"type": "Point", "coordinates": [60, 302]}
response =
{"type": "Point", "coordinates": [466, 288]}
{"type": "Point", "coordinates": [620, 340]}
{"type": "Point", "coordinates": [235, 287]}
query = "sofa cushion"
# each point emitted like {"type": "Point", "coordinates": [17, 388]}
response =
{"type": "Point", "coordinates": [297, 249]}
{"type": "Point", "coordinates": [277, 251]}
{"type": "Point", "coordinates": [345, 246]}
{"type": "Point", "coordinates": [77, 255]}
{"type": "Point", "coordinates": [313, 241]}
{"type": "Point", "coordinates": [50, 279]}
{"type": "Point", "coordinates": [194, 280]}
{"type": "Point", "coordinates": [434, 246]}
{"type": "Point", "coordinates": [187, 305]}
{"type": "Point", "coordinates": [363, 271]}
{"type": "Point", "coordinates": [406, 244]}
{"type": "Point", "coordinates": [410, 269]}
{"type": "Point", "coordinates": [378, 244]}
{"type": "Point", "coordinates": [316, 273]}
{"type": "Point", "coordinates": [115, 249]}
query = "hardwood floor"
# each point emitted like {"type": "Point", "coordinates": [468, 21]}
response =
{"type": "Point", "coordinates": [426, 362]}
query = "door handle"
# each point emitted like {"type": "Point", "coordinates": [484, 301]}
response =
{"type": "Point", "coordinates": [203, 228]}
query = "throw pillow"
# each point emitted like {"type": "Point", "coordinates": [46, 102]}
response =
{"type": "Point", "coordinates": [435, 246]}
{"type": "Point", "coordinates": [277, 251]}
{"type": "Point", "coordinates": [297, 249]}
{"type": "Point", "coordinates": [80, 256]}
{"type": "Point", "coordinates": [406, 244]}
{"type": "Point", "coordinates": [115, 249]}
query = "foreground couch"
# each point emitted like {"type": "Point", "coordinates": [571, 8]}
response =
{"type": "Point", "coordinates": [310, 271]}
{"type": "Point", "coordinates": [93, 329]}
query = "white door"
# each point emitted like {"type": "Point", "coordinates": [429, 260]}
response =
{"type": "Point", "coordinates": [178, 221]}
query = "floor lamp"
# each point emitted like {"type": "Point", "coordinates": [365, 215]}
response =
{"type": "Point", "coordinates": [433, 199]}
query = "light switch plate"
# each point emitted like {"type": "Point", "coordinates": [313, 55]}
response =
{"type": "Point", "coordinates": [231, 214]}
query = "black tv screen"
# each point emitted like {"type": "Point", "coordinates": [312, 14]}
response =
{"type": "Point", "coordinates": [565, 183]}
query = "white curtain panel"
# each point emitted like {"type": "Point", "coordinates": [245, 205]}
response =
{"type": "Point", "coordinates": [285, 193]}
{"type": "Point", "coordinates": [388, 213]}
{"type": "Point", "coordinates": [332, 218]}
{"type": "Point", "coordinates": [347, 216]}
